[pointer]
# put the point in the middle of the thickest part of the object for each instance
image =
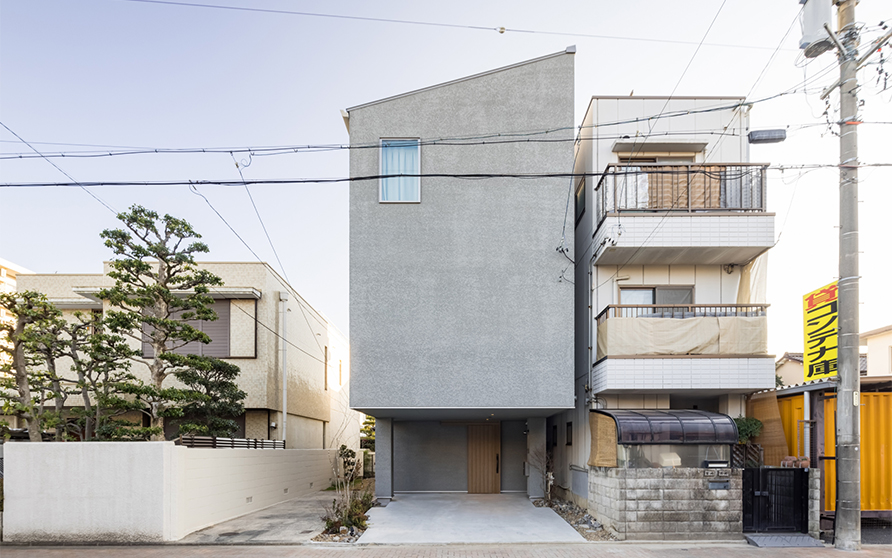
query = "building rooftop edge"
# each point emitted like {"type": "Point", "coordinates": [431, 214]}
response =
{"type": "Point", "coordinates": [874, 332]}
{"type": "Point", "coordinates": [568, 50]}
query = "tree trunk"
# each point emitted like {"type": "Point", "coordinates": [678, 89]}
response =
{"type": "Point", "coordinates": [23, 387]}
{"type": "Point", "coordinates": [59, 406]}
{"type": "Point", "coordinates": [88, 411]}
{"type": "Point", "coordinates": [158, 422]}
{"type": "Point", "coordinates": [158, 379]}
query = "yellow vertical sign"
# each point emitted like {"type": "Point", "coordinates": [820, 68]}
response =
{"type": "Point", "coordinates": [821, 314]}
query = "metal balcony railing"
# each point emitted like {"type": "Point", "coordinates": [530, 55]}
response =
{"type": "Point", "coordinates": [682, 311]}
{"type": "Point", "coordinates": [656, 187]}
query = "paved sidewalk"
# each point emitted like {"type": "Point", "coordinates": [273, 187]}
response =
{"type": "Point", "coordinates": [551, 550]}
{"type": "Point", "coordinates": [293, 522]}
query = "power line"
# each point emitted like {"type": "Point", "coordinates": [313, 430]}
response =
{"type": "Point", "coordinates": [466, 176]}
{"type": "Point", "coordinates": [259, 259]}
{"type": "Point", "coordinates": [795, 88]}
{"type": "Point", "coordinates": [266, 327]}
{"type": "Point", "coordinates": [480, 139]}
{"type": "Point", "coordinates": [500, 30]}
{"type": "Point", "coordinates": [194, 190]}
{"type": "Point", "coordinates": [84, 188]}
{"type": "Point", "coordinates": [649, 130]}
{"type": "Point", "coordinates": [273, 246]}
{"type": "Point", "coordinates": [653, 122]}
{"type": "Point", "coordinates": [259, 218]}
{"type": "Point", "coordinates": [311, 148]}
{"type": "Point", "coordinates": [758, 79]}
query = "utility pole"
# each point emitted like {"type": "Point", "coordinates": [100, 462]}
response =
{"type": "Point", "coordinates": [848, 404]}
{"type": "Point", "coordinates": [848, 399]}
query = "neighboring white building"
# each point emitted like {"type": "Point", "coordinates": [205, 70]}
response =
{"type": "Point", "coordinates": [879, 351]}
{"type": "Point", "coordinates": [671, 222]}
{"type": "Point", "coordinates": [248, 333]}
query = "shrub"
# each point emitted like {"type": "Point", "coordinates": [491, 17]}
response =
{"type": "Point", "coordinates": [747, 428]}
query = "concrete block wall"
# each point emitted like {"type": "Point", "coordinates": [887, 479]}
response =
{"type": "Point", "coordinates": [145, 492]}
{"type": "Point", "coordinates": [814, 502]}
{"type": "Point", "coordinates": [667, 504]}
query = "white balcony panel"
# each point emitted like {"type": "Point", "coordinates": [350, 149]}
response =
{"type": "Point", "coordinates": [701, 376]}
{"type": "Point", "coordinates": [683, 238]}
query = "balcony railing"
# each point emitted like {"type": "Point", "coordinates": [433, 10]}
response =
{"type": "Point", "coordinates": [686, 329]}
{"type": "Point", "coordinates": [652, 187]}
{"type": "Point", "coordinates": [680, 311]}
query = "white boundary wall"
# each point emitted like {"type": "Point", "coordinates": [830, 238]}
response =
{"type": "Point", "coordinates": [145, 491]}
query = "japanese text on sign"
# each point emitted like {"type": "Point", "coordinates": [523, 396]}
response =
{"type": "Point", "coordinates": [820, 312]}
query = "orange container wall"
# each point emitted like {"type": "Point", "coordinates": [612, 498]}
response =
{"type": "Point", "coordinates": [791, 412]}
{"type": "Point", "coordinates": [876, 452]}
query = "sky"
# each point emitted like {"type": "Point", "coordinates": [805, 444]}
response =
{"type": "Point", "coordinates": [107, 74]}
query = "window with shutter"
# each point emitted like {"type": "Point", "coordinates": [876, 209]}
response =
{"type": "Point", "coordinates": [217, 330]}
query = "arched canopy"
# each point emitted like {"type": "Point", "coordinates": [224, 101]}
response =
{"type": "Point", "coordinates": [669, 426]}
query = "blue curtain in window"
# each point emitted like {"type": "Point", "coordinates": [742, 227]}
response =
{"type": "Point", "coordinates": [400, 157]}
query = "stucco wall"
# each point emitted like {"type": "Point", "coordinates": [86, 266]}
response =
{"type": "Point", "coordinates": [145, 491]}
{"type": "Point", "coordinates": [112, 491]}
{"type": "Point", "coordinates": [455, 301]}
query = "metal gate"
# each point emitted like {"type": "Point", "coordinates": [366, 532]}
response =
{"type": "Point", "coordinates": [775, 500]}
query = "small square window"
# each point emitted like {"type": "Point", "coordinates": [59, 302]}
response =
{"type": "Point", "coordinates": [400, 157]}
{"type": "Point", "coordinates": [569, 433]}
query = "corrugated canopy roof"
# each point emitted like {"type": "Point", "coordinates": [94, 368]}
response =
{"type": "Point", "coordinates": [670, 426]}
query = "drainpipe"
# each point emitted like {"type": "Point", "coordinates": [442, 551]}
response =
{"type": "Point", "coordinates": [283, 316]}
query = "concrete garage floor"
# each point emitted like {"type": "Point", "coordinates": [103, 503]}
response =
{"type": "Point", "coordinates": [465, 518]}
{"type": "Point", "coordinates": [293, 522]}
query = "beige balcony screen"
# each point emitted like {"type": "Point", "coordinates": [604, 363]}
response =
{"type": "Point", "coordinates": [603, 452]}
{"type": "Point", "coordinates": [688, 336]}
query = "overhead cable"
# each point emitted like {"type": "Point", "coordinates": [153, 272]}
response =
{"type": "Point", "coordinates": [500, 30]}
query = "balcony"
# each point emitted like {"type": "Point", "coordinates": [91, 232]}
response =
{"type": "Point", "coordinates": [695, 214]}
{"type": "Point", "coordinates": [720, 348]}
{"type": "Point", "coordinates": [682, 329]}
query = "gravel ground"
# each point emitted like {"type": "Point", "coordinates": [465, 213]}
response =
{"type": "Point", "coordinates": [352, 534]}
{"type": "Point", "coordinates": [578, 518]}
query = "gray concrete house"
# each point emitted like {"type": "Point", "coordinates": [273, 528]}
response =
{"type": "Point", "coordinates": [461, 327]}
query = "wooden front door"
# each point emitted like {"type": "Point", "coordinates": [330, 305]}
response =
{"type": "Point", "coordinates": [484, 466]}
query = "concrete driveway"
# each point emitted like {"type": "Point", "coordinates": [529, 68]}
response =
{"type": "Point", "coordinates": [293, 522]}
{"type": "Point", "coordinates": [465, 518]}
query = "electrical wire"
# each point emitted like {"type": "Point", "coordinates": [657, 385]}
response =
{"type": "Point", "coordinates": [259, 218]}
{"type": "Point", "coordinates": [468, 176]}
{"type": "Point", "coordinates": [271, 330]}
{"type": "Point", "coordinates": [285, 283]}
{"type": "Point", "coordinates": [194, 189]}
{"type": "Point", "coordinates": [309, 148]}
{"type": "Point", "coordinates": [84, 188]}
{"type": "Point", "coordinates": [500, 30]}
{"type": "Point", "coordinates": [497, 137]}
